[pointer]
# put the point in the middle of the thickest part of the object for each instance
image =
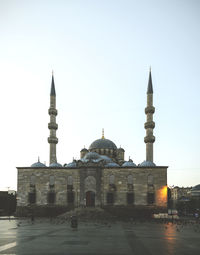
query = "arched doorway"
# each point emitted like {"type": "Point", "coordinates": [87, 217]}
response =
{"type": "Point", "coordinates": [90, 199]}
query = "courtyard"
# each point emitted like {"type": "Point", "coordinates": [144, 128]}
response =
{"type": "Point", "coordinates": [45, 236]}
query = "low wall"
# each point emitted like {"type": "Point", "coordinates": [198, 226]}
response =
{"type": "Point", "coordinates": [41, 211]}
{"type": "Point", "coordinates": [134, 212]}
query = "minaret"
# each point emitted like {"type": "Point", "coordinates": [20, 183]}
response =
{"type": "Point", "coordinates": [52, 139]}
{"type": "Point", "coordinates": [102, 134]}
{"type": "Point", "coordinates": [150, 124]}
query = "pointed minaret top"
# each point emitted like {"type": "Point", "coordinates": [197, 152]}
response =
{"type": "Point", "coordinates": [53, 91]}
{"type": "Point", "coordinates": [102, 134]}
{"type": "Point", "coordinates": [150, 86]}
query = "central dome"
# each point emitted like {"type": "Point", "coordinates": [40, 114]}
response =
{"type": "Point", "coordinates": [102, 144]}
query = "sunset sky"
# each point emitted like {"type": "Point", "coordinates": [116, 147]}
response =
{"type": "Point", "coordinates": [100, 52]}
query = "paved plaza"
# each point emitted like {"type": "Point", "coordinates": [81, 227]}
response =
{"type": "Point", "coordinates": [56, 237]}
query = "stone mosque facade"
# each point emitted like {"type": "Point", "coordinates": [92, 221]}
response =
{"type": "Point", "coordinates": [100, 178]}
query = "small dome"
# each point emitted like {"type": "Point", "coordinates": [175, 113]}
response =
{"type": "Point", "coordinates": [38, 164]}
{"type": "Point", "coordinates": [92, 155]}
{"type": "Point", "coordinates": [84, 149]}
{"type": "Point", "coordinates": [196, 188]}
{"type": "Point", "coordinates": [55, 164]}
{"type": "Point", "coordinates": [128, 164]}
{"type": "Point", "coordinates": [112, 164]}
{"type": "Point", "coordinates": [103, 144]}
{"type": "Point", "coordinates": [106, 159]}
{"type": "Point", "coordinates": [121, 149]}
{"type": "Point", "coordinates": [71, 165]}
{"type": "Point", "coordinates": [147, 163]}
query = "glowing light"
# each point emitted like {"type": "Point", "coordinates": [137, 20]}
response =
{"type": "Point", "coordinates": [163, 192]}
{"type": "Point", "coordinates": [162, 195]}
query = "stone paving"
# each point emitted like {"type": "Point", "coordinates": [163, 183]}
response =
{"type": "Point", "coordinates": [56, 237]}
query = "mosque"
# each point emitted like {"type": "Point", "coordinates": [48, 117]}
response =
{"type": "Point", "coordinates": [100, 178]}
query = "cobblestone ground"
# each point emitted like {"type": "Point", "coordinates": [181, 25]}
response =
{"type": "Point", "coordinates": [56, 237]}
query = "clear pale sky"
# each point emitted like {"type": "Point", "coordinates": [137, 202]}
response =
{"type": "Point", "coordinates": [100, 52]}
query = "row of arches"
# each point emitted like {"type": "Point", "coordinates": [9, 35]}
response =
{"type": "Point", "coordinates": [90, 190]}
{"type": "Point", "coordinates": [51, 197]}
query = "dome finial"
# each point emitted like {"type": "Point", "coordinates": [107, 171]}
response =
{"type": "Point", "coordinates": [102, 134]}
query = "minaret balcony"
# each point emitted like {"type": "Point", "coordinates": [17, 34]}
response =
{"type": "Point", "coordinates": [149, 139]}
{"type": "Point", "coordinates": [149, 109]}
{"type": "Point", "coordinates": [53, 125]}
{"type": "Point", "coordinates": [149, 124]}
{"type": "Point", "coordinates": [53, 139]}
{"type": "Point", "coordinates": [53, 111]}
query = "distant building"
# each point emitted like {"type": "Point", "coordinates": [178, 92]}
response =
{"type": "Point", "coordinates": [180, 193]}
{"type": "Point", "coordinates": [7, 202]}
{"type": "Point", "coordinates": [100, 178]}
{"type": "Point", "coordinates": [195, 192]}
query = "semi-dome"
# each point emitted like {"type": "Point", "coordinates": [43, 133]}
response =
{"type": "Point", "coordinates": [106, 159]}
{"type": "Point", "coordinates": [38, 164]}
{"type": "Point", "coordinates": [92, 155]}
{"type": "Point", "coordinates": [147, 163]}
{"type": "Point", "coordinates": [128, 164]}
{"type": "Point", "coordinates": [55, 164]}
{"type": "Point", "coordinates": [103, 144]}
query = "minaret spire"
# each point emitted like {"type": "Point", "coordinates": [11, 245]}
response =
{"type": "Point", "coordinates": [53, 126]}
{"type": "Point", "coordinates": [102, 134]}
{"type": "Point", "coordinates": [53, 91]}
{"type": "Point", "coordinates": [149, 124]}
{"type": "Point", "coordinates": [150, 86]}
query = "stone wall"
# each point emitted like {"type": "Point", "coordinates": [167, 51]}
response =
{"type": "Point", "coordinates": [140, 186]}
{"type": "Point", "coordinates": [102, 185]}
{"type": "Point", "coordinates": [42, 177]}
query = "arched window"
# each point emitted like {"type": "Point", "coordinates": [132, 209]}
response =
{"type": "Point", "coordinates": [70, 183]}
{"type": "Point", "coordinates": [70, 192]}
{"type": "Point", "coordinates": [51, 180]}
{"type": "Point", "coordinates": [150, 180]}
{"type": "Point", "coordinates": [150, 197]}
{"type": "Point", "coordinates": [130, 198]}
{"type": "Point", "coordinates": [111, 179]}
{"type": "Point", "coordinates": [70, 197]}
{"type": "Point", "coordinates": [130, 179]}
{"type": "Point", "coordinates": [32, 181]}
{"type": "Point", "coordinates": [32, 197]}
{"type": "Point", "coordinates": [130, 191]}
{"type": "Point", "coordinates": [32, 193]}
{"type": "Point", "coordinates": [90, 183]}
{"type": "Point", "coordinates": [110, 198]}
{"type": "Point", "coordinates": [51, 197]}
{"type": "Point", "coordinates": [150, 192]}
{"type": "Point", "coordinates": [70, 180]}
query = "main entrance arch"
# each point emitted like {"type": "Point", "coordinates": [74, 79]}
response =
{"type": "Point", "coordinates": [90, 199]}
